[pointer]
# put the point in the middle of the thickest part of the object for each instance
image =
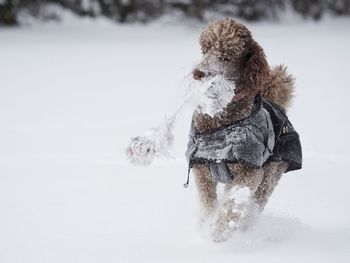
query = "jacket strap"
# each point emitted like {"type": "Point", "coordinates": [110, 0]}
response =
{"type": "Point", "coordinates": [188, 177]}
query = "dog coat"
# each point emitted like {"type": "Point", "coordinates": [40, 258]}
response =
{"type": "Point", "coordinates": [266, 135]}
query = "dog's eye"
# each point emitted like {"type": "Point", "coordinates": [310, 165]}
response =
{"type": "Point", "coordinates": [224, 59]}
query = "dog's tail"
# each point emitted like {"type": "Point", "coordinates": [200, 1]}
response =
{"type": "Point", "coordinates": [280, 86]}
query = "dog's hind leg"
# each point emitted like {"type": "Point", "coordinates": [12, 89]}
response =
{"type": "Point", "coordinates": [206, 188]}
{"type": "Point", "coordinates": [272, 174]}
{"type": "Point", "coordinates": [237, 203]}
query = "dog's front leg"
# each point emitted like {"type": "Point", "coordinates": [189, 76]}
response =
{"type": "Point", "coordinates": [237, 204]}
{"type": "Point", "coordinates": [206, 188]}
{"type": "Point", "coordinates": [272, 174]}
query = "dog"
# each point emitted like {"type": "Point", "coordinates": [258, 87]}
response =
{"type": "Point", "coordinates": [231, 54]}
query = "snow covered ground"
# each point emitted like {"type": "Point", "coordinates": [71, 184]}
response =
{"type": "Point", "coordinates": [72, 95]}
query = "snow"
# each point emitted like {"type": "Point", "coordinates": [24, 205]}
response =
{"type": "Point", "coordinates": [72, 95]}
{"type": "Point", "coordinates": [155, 143]}
{"type": "Point", "coordinates": [211, 95]}
{"type": "Point", "coordinates": [241, 195]}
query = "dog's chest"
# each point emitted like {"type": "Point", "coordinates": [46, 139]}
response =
{"type": "Point", "coordinates": [234, 111]}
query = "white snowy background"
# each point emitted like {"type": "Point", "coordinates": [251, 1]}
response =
{"type": "Point", "coordinates": [71, 96]}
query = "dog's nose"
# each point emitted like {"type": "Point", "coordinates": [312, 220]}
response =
{"type": "Point", "coordinates": [197, 74]}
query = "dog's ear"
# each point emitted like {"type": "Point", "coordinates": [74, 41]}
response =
{"type": "Point", "coordinates": [254, 69]}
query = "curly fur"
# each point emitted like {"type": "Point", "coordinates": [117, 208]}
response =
{"type": "Point", "coordinates": [229, 49]}
{"type": "Point", "coordinates": [279, 87]}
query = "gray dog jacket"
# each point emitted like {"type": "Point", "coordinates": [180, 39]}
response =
{"type": "Point", "coordinates": [266, 135]}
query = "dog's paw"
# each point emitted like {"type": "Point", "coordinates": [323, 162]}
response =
{"type": "Point", "coordinates": [219, 236]}
{"type": "Point", "coordinates": [225, 224]}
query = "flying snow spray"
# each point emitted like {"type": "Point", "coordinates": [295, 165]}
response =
{"type": "Point", "coordinates": [210, 96]}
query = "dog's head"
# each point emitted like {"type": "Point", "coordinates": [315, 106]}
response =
{"type": "Point", "coordinates": [230, 54]}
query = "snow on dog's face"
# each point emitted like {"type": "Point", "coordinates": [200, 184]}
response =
{"type": "Point", "coordinates": [229, 55]}
{"type": "Point", "coordinates": [212, 85]}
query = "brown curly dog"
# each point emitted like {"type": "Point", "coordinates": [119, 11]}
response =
{"type": "Point", "coordinates": [229, 49]}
